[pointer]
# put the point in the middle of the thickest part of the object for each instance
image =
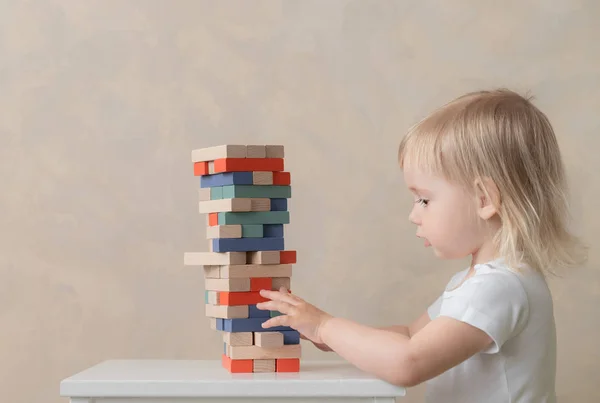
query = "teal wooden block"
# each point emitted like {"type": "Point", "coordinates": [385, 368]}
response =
{"type": "Point", "coordinates": [275, 313]}
{"type": "Point", "coordinates": [255, 217]}
{"type": "Point", "coordinates": [255, 191]}
{"type": "Point", "coordinates": [216, 193]}
{"type": "Point", "coordinates": [252, 231]}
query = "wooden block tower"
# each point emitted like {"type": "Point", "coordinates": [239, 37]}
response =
{"type": "Point", "coordinates": [244, 192]}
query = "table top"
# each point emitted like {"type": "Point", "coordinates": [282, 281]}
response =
{"type": "Point", "coordinates": [199, 378]}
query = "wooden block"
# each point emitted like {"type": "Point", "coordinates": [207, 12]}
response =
{"type": "Point", "coordinates": [263, 365]}
{"type": "Point", "coordinates": [287, 365]}
{"type": "Point", "coordinates": [273, 230]}
{"type": "Point", "coordinates": [254, 312]}
{"type": "Point", "coordinates": [262, 178]}
{"type": "Point", "coordinates": [211, 167]}
{"type": "Point", "coordinates": [291, 337]}
{"type": "Point", "coordinates": [282, 178]}
{"type": "Point", "coordinates": [287, 256]}
{"type": "Point", "coordinates": [240, 298]}
{"type": "Point", "coordinates": [264, 353]}
{"type": "Point", "coordinates": [239, 338]}
{"type": "Point", "coordinates": [224, 231]}
{"type": "Point", "coordinates": [279, 204]}
{"type": "Point", "coordinates": [216, 152]}
{"type": "Point", "coordinates": [214, 271]}
{"type": "Point", "coordinates": [256, 151]}
{"type": "Point", "coordinates": [204, 194]}
{"type": "Point", "coordinates": [264, 257]}
{"type": "Point", "coordinates": [247, 164]}
{"type": "Point", "coordinates": [275, 151]}
{"type": "Point", "coordinates": [255, 191]}
{"type": "Point", "coordinates": [260, 283]}
{"type": "Point", "coordinates": [268, 339]}
{"type": "Point", "coordinates": [278, 282]}
{"type": "Point", "coordinates": [260, 204]}
{"type": "Point", "coordinates": [227, 284]}
{"type": "Point", "coordinates": [254, 217]}
{"type": "Point", "coordinates": [226, 311]}
{"type": "Point", "coordinates": [255, 270]}
{"type": "Point", "coordinates": [213, 323]}
{"type": "Point", "coordinates": [249, 325]}
{"type": "Point", "coordinates": [210, 246]}
{"type": "Point", "coordinates": [213, 219]}
{"type": "Point", "coordinates": [247, 244]}
{"type": "Point", "coordinates": [237, 366]}
{"type": "Point", "coordinates": [211, 297]}
{"type": "Point", "coordinates": [200, 168]}
{"type": "Point", "coordinates": [223, 205]}
{"type": "Point", "coordinates": [212, 258]}
{"type": "Point", "coordinates": [226, 179]}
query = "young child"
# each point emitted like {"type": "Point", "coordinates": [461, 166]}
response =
{"type": "Point", "coordinates": [488, 182]}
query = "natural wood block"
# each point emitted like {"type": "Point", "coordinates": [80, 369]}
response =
{"type": "Point", "coordinates": [255, 270]}
{"type": "Point", "coordinates": [240, 298]}
{"type": "Point", "coordinates": [260, 204]}
{"type": "Point", "coordinates": [221, 151]}
{"type": "Point", "coordinates": [287, 365]}
{"type": "Point", "coordinates": [268, 339]}
{"type": "Point", "coordinates": [211, 297]}
{"type": "Point", "coordinates": [211, 168]}
{"type": "Point", "coordinates": [227, 284]}
{"type": "Point", "coordinates": [212, 271]}
{"type": "Point", "coordinates": [278, 282]}
{"type": "Point", "coordinates": [238, 338]}
{"type": "Point", "coordinates": [264, 353]}
{"type": "Point", "coordinates": [264, 257]}
{"type": "Point", "coordinates": [275, 151]}
{"type": "Point", "coordinates": [260, 283]}
{"type": "Point", "coordinates": [237, 366]}
{"type": "Point", "coordinates": [262, 178]}
{"type": "Point", "coordinates": [226, 311]}
{"type": "Point", "coordinates": [226, 205]}
{"type": "Point", "coordinates": [263, 365]}
{"type": "Point", "coordinates": [213, 258]}
{"type": "Point", "coordinates": [247, 164]}
{"type": "Point", "coordinates": [210, 246]}
{"type": "Point", "coordinates": [224, 231]}
{"type": "Point", "coordinates": [256, 151]}
{"type": "Point", "coordinates": [213, 323]}
{"type": "Point", "coordinates": [204, 194]}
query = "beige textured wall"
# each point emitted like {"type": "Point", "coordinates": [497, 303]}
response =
{"type": "Point", "coordinates": [102, 101]}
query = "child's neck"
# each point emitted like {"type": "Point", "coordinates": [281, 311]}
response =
{"type": "Point", "coordinates": [484, 254]}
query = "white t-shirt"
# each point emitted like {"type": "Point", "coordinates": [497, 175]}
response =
{"type": "Point", "coordinates": [516, 310]}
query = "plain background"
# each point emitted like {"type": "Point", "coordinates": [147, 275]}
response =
{"type": "Point", "coordinates": [102, 101]}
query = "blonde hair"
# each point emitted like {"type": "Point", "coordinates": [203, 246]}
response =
{"type": "Point", "coordinates": [502, 136]}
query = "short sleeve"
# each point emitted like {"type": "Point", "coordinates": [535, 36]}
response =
{"type": "Point", "coordinates": [434, 309]}
{"type": "Point", "coordinates": [495, 302]}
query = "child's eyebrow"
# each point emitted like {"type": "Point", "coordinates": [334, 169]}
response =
{"type": "Point", "coordinates": [417, 190]}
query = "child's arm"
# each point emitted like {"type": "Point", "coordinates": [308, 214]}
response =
{"type": "Point", "coordinates": [394, 357]}
{"type": "Point", "coordinates": [411, 329]}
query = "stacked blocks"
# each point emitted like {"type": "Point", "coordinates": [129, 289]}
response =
{"type": "Point", "coordinates": [244, 192]}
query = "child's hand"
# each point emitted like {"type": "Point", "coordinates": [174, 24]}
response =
{"type": "Point", "coordinates": [295, 313]}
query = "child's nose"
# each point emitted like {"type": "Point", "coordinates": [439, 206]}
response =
{"type": "Point", "coordinates": [413, 217]}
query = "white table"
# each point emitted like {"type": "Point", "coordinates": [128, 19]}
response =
{"type": "Point", "coordinates": [191, 381]}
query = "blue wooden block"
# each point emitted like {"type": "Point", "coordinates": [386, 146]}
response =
{"type": "Point", "coordinates": [247, 244]}
{"type": "Point", "coordinates": [279, 205]}
{"type": "Point", "coordinates": [291, 337]}
{"type": "Point", "coordinates": [273, 230]}
{"type": "Point", "coordinates": [226, 179]}
{"type": "Point", "coordinates": [220, 324]}
{"type": "Point", "coordinates": [250, 325]}
{"type": "Point", "coordinates": [254, 312]}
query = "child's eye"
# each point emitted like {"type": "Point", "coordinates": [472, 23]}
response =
{"type": "Point", "coordinates": [423, 202]}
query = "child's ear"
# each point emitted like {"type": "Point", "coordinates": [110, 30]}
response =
{"type": "Point", "coordinates": [488, 198]}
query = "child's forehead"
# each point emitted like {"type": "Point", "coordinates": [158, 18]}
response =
{"type": "Point", "coordinates": [420, 180]}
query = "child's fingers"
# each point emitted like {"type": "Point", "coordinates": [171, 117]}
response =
{"type": "Point", "coordinates": [281, 320]}
{"type": "Point", "coordinates": [274, 306]}
{"type": "Point", "coordinates": [279, 296]}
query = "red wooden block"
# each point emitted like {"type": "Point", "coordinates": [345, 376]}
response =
{"type": "Point", "coordinates": [287, 257]}
{"type": "Point", "coordinates": [240, 298]}
{"type": "Point", "coordinates": [260, 283]}
{"type": "Point", "coordinates": [282, 178]}
{"type": "Point", "coordinates": [287, 365]}
{"type": "Point", "coordinates": [236, 366]}
{"type": "Point", "coordinates": [248, 164]}
{"type": "Point", "coordinates": [200, 168]}
{"type": "Point", "coordinates": [213, 219]}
